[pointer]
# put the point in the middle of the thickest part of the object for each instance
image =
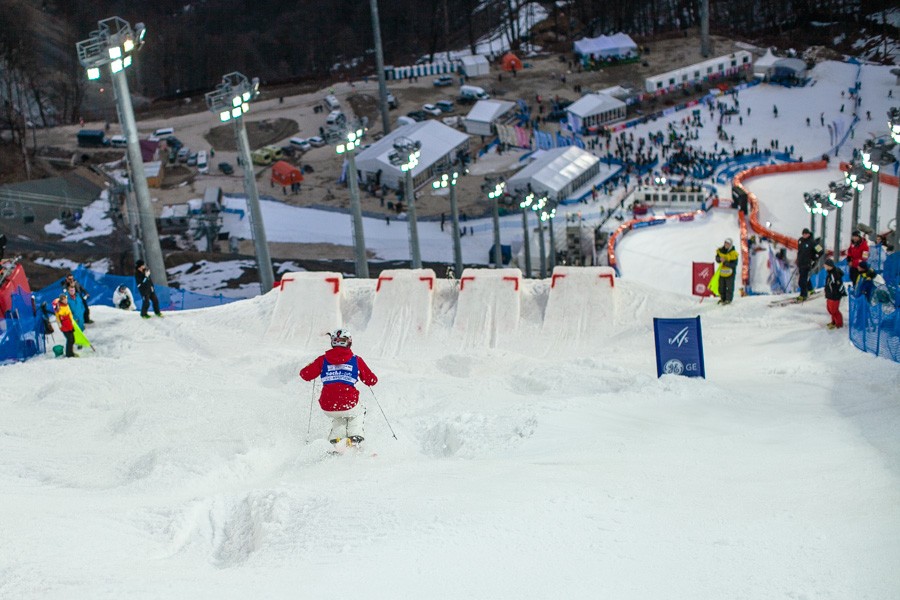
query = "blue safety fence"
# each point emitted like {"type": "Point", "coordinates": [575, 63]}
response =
{"type": "Point", "coordinates": [21, 330]}
{"type": "Point", "coordinates": [100, 287]}
{"type": "Point", "coordinates": [875, 322]}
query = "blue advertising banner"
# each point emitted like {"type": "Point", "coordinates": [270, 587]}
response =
{"type": "Point", "coordinates": [679, 347]}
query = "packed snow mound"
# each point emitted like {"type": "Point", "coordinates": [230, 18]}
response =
{"type": "Point", "coordinates": [174, 460]}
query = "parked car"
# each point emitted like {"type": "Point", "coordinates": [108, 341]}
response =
{"type": "Point", "coordinates": [431, 109]}
{"type": "Point", "coordinates": [192, 159]}
{"type": "Point", "coordinates": [184, 154]}
{"type": "Point", "coordinates": [417, 115]}
{"type": "Point", "coordinates": [226, 168]}
{"type": "Point", "coordinates": [173, 142]}
{"type": "Point", "coordinates": [443, 81]}
{"type": "Point", "coordinates": [445, 105]}
{"type": "Point", "coordinates": [300, 144]}
{"type": "Point", "coordinates": [315, 141]}
{"type": "Point", "coordinates": [391, 101]}
{"type": "Point", "coordinates": [118, 141]}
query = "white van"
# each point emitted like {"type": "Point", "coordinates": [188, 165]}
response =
{"type": "Point", "coordinates": [332, 103]}
{"type": "Point", "coordinates": [118, 141]}
{"type": "Point", "coordinates": [202, 162]}
{"type": "Point", "coordinates": [162, 133]}
{"type": "Point", "coordinates": [404, 120]}
{"type": "Point", "coordinates": [336, 117]}
{"type": "Point", "coordinates": [473, 92]}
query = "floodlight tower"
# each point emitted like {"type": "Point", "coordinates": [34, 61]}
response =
{"type": "Point", "coordinates": [113, 45]}
{"type": "Point", "coordinates": [894, 124]}
{"type": "Point", "coordinates": [494, 189]}
{"type": "Point", "coordinates": [448, 180]}
{"type": "Point", "coordinates": [406, 156]}
{"type": "Point", "coordinates": [876, 155]}
{"type": "Point", "coordinates": [230, 100]}
{"type": "Point", "coordinates": [857, 178]}
{"type": "Point", "coordinates": [528, 198]}
{"type": "Point", "coordinates": [349, 142]}
{"type": "Point", "coordinates": [550, 212]}
{"type": "Point", "coordinates": [539, 206]}
{"type": "Point", "coordinates": [839, 194]}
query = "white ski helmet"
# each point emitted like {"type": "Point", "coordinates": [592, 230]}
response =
{"type": "Point", "coordinates": [341, 338]}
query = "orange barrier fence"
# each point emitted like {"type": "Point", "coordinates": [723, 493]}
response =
{"type": "Point", "coordinates": [755, 225]}
{"type": "Point", "coordinates": [745, 250]}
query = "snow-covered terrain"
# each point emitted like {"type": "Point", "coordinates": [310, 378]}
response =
{"type": "Point", "coordinates": [537, 454]}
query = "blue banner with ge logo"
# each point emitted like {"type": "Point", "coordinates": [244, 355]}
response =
{"type": "Point", "coordinates": [679, 347]}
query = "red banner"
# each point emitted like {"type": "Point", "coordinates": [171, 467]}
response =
{"type": "Point", "coordinates": [702, 273]}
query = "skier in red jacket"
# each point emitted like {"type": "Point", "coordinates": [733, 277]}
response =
{"type": "Point", "coordinates": [340, 369]}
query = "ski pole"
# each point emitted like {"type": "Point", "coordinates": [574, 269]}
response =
{"type": "Point", "coordinates": [312, 398]}
{"type": "Point", "coordinates": [382, 413]}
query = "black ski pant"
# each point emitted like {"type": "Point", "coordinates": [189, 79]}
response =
{"type": "Point", "coordinates": [70, 342]}
{"type": "Point", "coordinates": [146, 299]}
{"type": "Point", "coordinates": [803, 280]}
{"type": "Point", "coordinates": [726, 288]}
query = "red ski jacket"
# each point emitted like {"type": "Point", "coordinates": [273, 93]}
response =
{"type": "Point", "coordinates": [338, 396]}
{"type": "Point", "coordinates": [857, 253]}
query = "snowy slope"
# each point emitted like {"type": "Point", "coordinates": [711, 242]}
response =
{"type": "Point", "coordinates": [172, 463]}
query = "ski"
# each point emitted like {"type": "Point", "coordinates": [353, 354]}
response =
{"type": "Point", "coordinates": [795, 300]}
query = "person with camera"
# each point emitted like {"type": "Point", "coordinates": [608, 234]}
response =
{"type": "Point", "coordinates": [145, 287]}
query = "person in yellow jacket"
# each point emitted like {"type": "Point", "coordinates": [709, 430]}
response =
{"type": "Point", "coordinates": [727, 256]}
{"type": "Point", "coordinates": [66, 322]}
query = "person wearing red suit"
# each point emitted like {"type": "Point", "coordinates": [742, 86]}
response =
{"type": "Point", "coordinates": [857, 252]}
{"type": "Point", "coordinates": [340, 369]}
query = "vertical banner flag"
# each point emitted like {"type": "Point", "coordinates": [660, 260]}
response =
{"type": "Point", "coordinates": [679, 347]}
{"type": "Point", "coordinates": [702, 274]}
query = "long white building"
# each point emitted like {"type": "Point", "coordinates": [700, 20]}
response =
{"type": "Point", "coordinates": [712, 68]}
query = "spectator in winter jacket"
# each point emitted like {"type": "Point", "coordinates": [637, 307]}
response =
{"type": "Point", "coordinates": [340, 369]}
{"type": "Point", "coordinates": [66, 322]}
{"type": "Point", "coordinates": [76, 305]}
{"type": "Point", "coordinates": [123, 299]}
{"type": "Point", "coordinates": [856, 253]}
{"type": "Point", "coordinates": [878, 253]}
{"type": "Point", "coordinates": [808, 252]}
{"type": "Point", "coordinates": [834, 291]}
{"type": "Point", "coordinates": [70, 281]}
{"type": "Point", "coordinates": [145, 287]}
{"type": "Point", "coordinates": [865, 281]}
{"type": "Point", "coordinates": [727, 255]}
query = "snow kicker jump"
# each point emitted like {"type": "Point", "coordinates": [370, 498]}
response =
{"type": "Point", "coordinates": [581, 307]}
{"type": "Point", "coordinates": [308, 305]}
{"type": "Point", "coordinates": [489, 306]}
{"type": "Point", "coordinates": [401, 310]}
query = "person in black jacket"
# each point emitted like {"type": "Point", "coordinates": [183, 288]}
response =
{"type": "Point", "coordinates": [145, 287]}
{"type": "Point", "coordinates": [727, 255]}
{"type": "Point", "coordinates": [808, 252]}
{"type": "Point", "coordinates": [834, 291]}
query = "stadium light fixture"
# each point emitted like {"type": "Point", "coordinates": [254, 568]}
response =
{"type": "Point", "coordinates": [347, 141]}
{"type": "Point", "coordinates": [230, 101]}
{"type": "Point", "coordinates": [111, 48]}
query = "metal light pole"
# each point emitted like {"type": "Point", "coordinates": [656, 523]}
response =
{"type": "Point", "coordinates": [705, 50]}
{"type": "Point", "coordinates": [525, 205]}
{"type": "Point", "coordinates": [406, 156]}
{"type": "Point", "coordinates": [230, 100]}
{"type": "Point", "coordinates": [876, 155]}
{"type": "Point", "coordinates": [538, 208]}
{"type": "Point", "coordinates": [894, 125]}
{"type": "Point", "coordinates": [494, 189]}
{"type": "Point", "coordinates": [114, 44]}
{"type": "Point", "coordinates": [550, 222]}
{"type": "Point", "coordinates": [352, 141]}
{"type": "Point", "coordinates": [840, 194]}
{"type": "Point", "coordinates": [448, 180]}
{"type": "Point", "coordinates": [379, 66]}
